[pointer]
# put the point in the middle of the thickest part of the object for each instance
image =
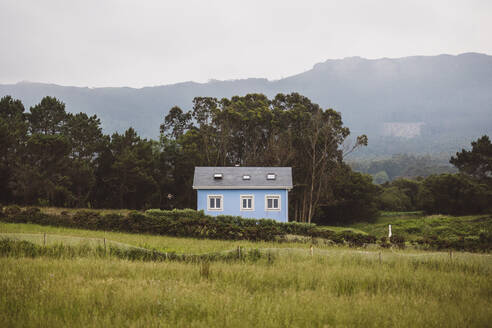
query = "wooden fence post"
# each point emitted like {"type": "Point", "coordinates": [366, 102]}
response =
{"type": "Point", "coordinates": [44, 239]}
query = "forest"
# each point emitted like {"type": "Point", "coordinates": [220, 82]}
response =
{"type": "Point", "coordinates": [51, 157]}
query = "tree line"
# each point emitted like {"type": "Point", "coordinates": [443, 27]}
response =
{"type": "Point", "coordinates": [467, 192]}
{"type": "Point", "coordinates": [52, 157]}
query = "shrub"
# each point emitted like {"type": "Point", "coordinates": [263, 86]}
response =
{"type": "Point", "coordinates": [88, 220]}
{"type": "Point", "coordinates": [12, 210]}
{"type": "Point", "coordinates": [31, 211]}
{"type": "Point", "coordinates": [393, 199]}
{"type": "Point", "coordinates": [384, 242]}
{"type": "Point", "coordinates": [398, 241]}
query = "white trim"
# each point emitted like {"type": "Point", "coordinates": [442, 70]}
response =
{"type": "Point", "coordinates": [221, 208]}
{"type": "Point", "coordinates": [273, 196]}
{"type": "Point", "coordinates": [287, 206]}
{"type": "Point", "coordinates": [243, 187]}
{"type": "Point", "coordinates": [252, 197]}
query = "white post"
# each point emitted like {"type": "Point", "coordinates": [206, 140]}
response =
{"type": "Point", "coordinates": [389, 230]}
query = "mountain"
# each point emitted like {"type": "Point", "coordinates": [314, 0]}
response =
{"type": "Point", "coordinates": [418, 104]}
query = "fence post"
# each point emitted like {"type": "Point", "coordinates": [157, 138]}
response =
{"type": "Point", "coordinates": [311, 250]}
{"type": "Point", "coordinates": [104, 245]}
{"type": "Point", "coordinates": [44, 239]}
{"type": "Point", "coordinates": [379, 257]}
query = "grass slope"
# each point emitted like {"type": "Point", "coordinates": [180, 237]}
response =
{"type": "Point", "coordinates": [160, 243]}
{"type": "Point", "coordinates": [338, 286]}
{"type": "Point", "coordinates": [414, 225]}
{"type": "Point", "coordinates": [345, 288]}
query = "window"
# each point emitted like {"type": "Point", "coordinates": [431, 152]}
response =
{"type": "Point", "coordinates": [247, 202]}
{"type": "Point", "coordinates": [218, 176]}
{"type": "Point", "coordinates": [271, 176]}
{"type": "Point", "coordinates": [215, 202]}
{"type": "Point", "coordinates": [272, 202]}
{"type": "Point", "coordinates": [246, 177]}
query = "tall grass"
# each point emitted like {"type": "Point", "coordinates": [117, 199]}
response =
{"type": "Point", "coordinates": [160, 243]}
{"type": "Point", "coordinates": [334, 287]}
{"type": "Point", "coordinates": [23, 248]}
{"type": "Point", "coordinates": [276, 285]}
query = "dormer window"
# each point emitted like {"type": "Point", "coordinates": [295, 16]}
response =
{"type": "Point", "coordinates": [246, 177]}
{"type": "Point", "coordinates": [218, 176]}
{"type": "Point", "coordinates": [271, 176]}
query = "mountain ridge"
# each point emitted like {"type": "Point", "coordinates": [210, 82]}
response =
{"type": "Point", "coordinates": [450, 96]}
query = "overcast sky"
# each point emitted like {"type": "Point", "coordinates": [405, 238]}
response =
{"type": "Point", "coordinates": [144, 43]}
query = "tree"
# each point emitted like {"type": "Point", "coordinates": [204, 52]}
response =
{"type": "Point", "coordinates": [476, 163]}
{"type": "Point", "coordinates": [317, 138]}
{"type": "Point", "coordinates": [13, 134]}
{"type": "Point", "coordinates": [353, 198]}
{"type": "Point", "coordinates": [43, 173]}
{"type": "Point", "coordinates": [131, 179]}
{"type": "Point", "coordinates": [175, 123]}
{"type": "Point", "coordinates": [455, 194]}
{"type": "Point", "coordinates": [401, 195]}
{"type": "Point", "coordinates": [394, 199]}
{"type": "Point", "coordinates": [47, 117]}
{"type": "Point", "coordinates": [86, 140]}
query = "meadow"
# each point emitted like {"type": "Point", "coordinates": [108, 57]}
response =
{"type": "Point", "coordinates": [414, 225]}
{"type": "Point", "coordinates": [336, 286]}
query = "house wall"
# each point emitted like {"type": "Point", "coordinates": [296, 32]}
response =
{"type": "Point", "coordinates": [232, 205]}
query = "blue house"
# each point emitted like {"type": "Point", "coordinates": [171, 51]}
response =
{"type": "Point", "coordinates": [250, 192]}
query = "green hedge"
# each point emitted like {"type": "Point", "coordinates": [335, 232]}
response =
{"type": "Point", "coordinates": [191, 223]}
{"type": "Point", "coordinates": [184, 223]}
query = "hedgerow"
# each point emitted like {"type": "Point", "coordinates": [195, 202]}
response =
{"type": "Point", "coordinates": [184, 223]}
{"type": "Point", "coordinates": [192, 223]}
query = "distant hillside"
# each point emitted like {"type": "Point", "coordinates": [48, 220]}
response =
{"type": "Point", "coordinates": [432, 104]}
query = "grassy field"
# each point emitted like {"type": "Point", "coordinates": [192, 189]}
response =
{"type": "Point", "coordinates": [160, 243]}
{"type": "Point", "coordinates": [413, 225]}
{"type": "Point", "coordinates": [338, 286]}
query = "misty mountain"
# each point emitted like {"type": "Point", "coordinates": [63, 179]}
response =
{"type": "Point", "coordinates": [419, 104]}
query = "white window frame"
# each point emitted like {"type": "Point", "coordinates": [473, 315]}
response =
{"type": "Point", "coordinates": [252, 197]}
{"type": "Point", "coordinates": [221, 202]}
{"type": "Point", "coordinates": [277, 196]}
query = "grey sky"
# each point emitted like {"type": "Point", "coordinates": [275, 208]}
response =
{"type": "Point", "coordinates": [143, 43]}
